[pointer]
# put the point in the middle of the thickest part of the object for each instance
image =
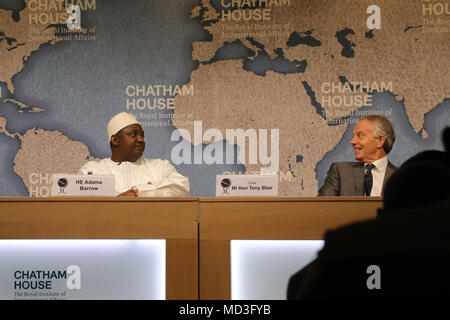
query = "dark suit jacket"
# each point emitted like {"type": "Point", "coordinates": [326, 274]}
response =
{"type": "Point", "coordinates": [411, 248]}
{"type": "Point", "coordinates": [347, 179]}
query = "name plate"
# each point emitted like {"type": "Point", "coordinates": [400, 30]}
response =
{"type": "Point", "coordinates": [251, 185]}
{"type": "Point", "coordinates": [83, 185]}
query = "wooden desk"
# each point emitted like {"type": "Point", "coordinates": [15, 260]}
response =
{"type": "Point", "coordinates": [173, 219]}
{"type": "Point", "coordinates": [224, 219]}
{"type": "Point", "coordinates": [197, 252]}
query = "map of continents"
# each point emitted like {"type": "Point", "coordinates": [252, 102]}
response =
{"type": "Point", "coordinates": [333, 42]}
{"type": "Point", "coordinates": [42, 152]}
{"type": "Point", "coordinates": [305, 68]}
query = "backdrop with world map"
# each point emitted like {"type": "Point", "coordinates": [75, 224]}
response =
{"type": "Point", "coordinates": [219, 86]}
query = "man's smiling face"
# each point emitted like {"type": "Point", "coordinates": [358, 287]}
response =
{"type": "Point", "coordinates": [365, 146]}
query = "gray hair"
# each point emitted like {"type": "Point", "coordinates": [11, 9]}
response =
{"type": "Point", "coordinates": [382, 127]}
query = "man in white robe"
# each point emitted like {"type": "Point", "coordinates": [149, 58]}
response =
{"type": "Point", "coordinates": [134, 175]}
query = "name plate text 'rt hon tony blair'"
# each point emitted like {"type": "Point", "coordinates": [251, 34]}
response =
{"type": "Point", "coordinates": [82, 185]}
{"type": "Point", "coordinates": [247, 185]}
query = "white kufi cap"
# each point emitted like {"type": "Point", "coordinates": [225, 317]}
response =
{"type": "Point", "coordinates": [118, 122]}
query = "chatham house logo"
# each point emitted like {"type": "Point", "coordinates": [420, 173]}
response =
{"type": "Point", "coordinates": [46, 284]}
{"type": "Point", "coordinates": [62, 183]}
{"type": "Point", "coordinates": [225, 183]}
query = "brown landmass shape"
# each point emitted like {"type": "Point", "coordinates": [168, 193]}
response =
{"type": "Point", "coordinates": [416, 62]}
{"type": "Point", "coordinates": [23, 107]}
{"type": "Point", "coordinates": [17, 42]}
{"type": "Point", "coordinates": [243, 100]}
{"type": "Point", "coordinates": [43, 153]}
{"type": "Point", "coordinates": [3, 129]}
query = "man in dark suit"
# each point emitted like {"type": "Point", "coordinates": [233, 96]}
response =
{"type": "Point", "coordinates": [373, 139]}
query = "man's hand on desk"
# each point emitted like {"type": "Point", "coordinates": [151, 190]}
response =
{"type": "Point", "coordinates": [133, 192]}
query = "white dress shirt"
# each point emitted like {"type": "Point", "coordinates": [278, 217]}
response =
{"type": "Point", "coordinates": [152, 177]}
{"type": "Point", "coordinates": [378, 176]}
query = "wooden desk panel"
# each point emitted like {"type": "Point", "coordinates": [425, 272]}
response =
{"type": "Point", "coordinates": [173, 219]}
{"type": "Point", "coordinates": [224, 219]}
